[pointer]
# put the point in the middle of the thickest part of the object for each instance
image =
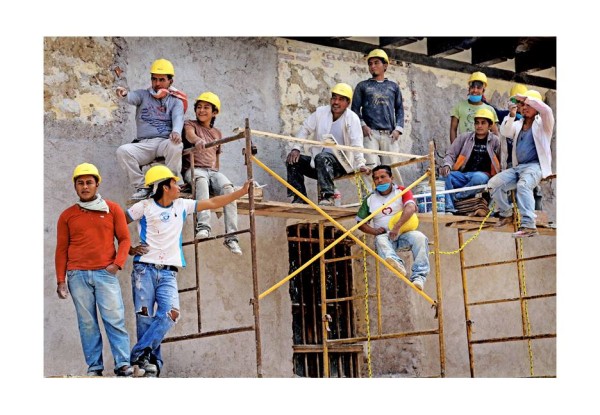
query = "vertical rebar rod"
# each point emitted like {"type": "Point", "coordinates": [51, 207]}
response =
{"type": "Point", "coordinates": [468, 321]}
{"type": "Point", "coordinates": [324, 321]}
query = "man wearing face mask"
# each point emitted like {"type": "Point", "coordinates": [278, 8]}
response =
{"type": "Point", "coordinates": [159, 120]}
{"type": "Point", "coordinates": [389, 241]}
{"type": "Point", "coordinates": [463, 113]}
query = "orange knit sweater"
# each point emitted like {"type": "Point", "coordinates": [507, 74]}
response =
{"type": "Point", "coordinates": [86, 239]}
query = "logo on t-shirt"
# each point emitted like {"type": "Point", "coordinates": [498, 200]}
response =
{"type": "Point", "coordinates": [164, 216]}
{"type": "Point", "coordinates": [387, 211]}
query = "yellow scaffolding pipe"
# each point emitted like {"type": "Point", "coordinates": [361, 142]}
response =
{"type": "Point", "coordinates": [343, 236]}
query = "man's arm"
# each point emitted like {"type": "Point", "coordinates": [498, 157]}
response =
{"type": "Point", "coordinates": [60, 257]}
{"type": "Point", "coordinates": [123, 237]}
{"type": "Point", "coordinates": [220, 201]}
{"type": "Point", "coordinates": [399, 110]}
{"type": "Point", "coordinates": [453, 128]}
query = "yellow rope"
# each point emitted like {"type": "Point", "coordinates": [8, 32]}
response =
{"type": "Point", "coordinates": [359, 180]}
{"type": "Point", "coordinates": [471, 239]}
{"type": "Point", "coordinates": [523, 287]}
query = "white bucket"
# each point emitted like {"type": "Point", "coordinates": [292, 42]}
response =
{"type": "Point", "coordinates": [424, 202]}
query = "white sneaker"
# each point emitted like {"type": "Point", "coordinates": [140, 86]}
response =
{"type": "Point", "coordinates": [233, 246]}
{"type": "Point", "coordinates": [398, 266]}
{"type": "Point", "coordinates": [141, 193]}
{"type": "Point", "coordinates": [419, 283]}
{"type": "Point", "coordinates": [327, 202]}
{"type": "Point", "coordinates": [202, 233]}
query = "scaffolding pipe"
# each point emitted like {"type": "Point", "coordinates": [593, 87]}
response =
{"type": "Point", "coordinates": [255, 302]}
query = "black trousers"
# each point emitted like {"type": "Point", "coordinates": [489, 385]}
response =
{"type": "Point", "coordinates": [327, 168]}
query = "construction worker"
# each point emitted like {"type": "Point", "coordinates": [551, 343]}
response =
{"type": "Point", "coordinates": [471, 159]}
{"type": "Point", "coordinates": [199, 132]}
{"type": "Point", "coordinates": [378, 103]}
{"type": "Point", "coordinates": [157, 260]}
{"type": "Point", "coordinates": [462, 118]}
{"type": "Point", "coordinates": [159, 121]}
{"type": "Point", "coordinates": [532, 161]}
{"type": "Point", "coordinates": [86, 262]}
{"type": "Point", "coordinates": [506, 142]}
{"type": "Point", "coordinates": [390, 240]}
{"type": "Point", "coordinates": [329, 122]}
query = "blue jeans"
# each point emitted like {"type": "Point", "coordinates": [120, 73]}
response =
{"type": "Point", "coordinates": [524, 178]}
{"type": "Point", "coordinates": [152, 287]}
{"type": "Point", "coordinates": [101, 289]}
{"type": "Point", "coordinates": [416, 241]}
{"type": "Point", "coordinates": [457, 179]}
{"type": "Point", "coordinates": [207, 180]}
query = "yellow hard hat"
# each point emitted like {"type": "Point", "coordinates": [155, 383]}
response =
{"type": "Point", "coordinates": [159, 173]}
{"type": "Point", "coordinates": [485, 113]}
{"type": "Point", "coordinates": [478, 76]}
{"type": "Point", "coordinates": [532, 93]}
{"type": "Point", "coordinates": [378, 53]}
{"type": "Point", "coordinates": [342, 89]}
{"type": "Point", "coordinates": [86, 168]}
{"type": "Point", "coordinates": [410, 225]}
{"type": "Point", "coordinates": [211, 99]}
{"type": "Point", "coordinates": [518, 89]}
{"type": "Point", "coordinates": [162, 67]}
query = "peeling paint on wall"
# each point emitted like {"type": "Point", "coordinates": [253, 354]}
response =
{"type": "Point", "coordinates": [78, 73]}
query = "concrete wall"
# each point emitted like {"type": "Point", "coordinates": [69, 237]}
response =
{"type": "Point", "coordinates": [275, 83]}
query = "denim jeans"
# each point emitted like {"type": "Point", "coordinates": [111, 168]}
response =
{"type": "Point", "coordinates": [99, 290]}
{"type": "Point", "coordinates": [457, 179]}
{"type": "Point", "coordinates": [416, 241]}
{"type": "Point", "coordinates": [207, 180]}
{"type": "Point", "coordinates": [524, 178]}
{"type": "Point", "coordinates": [152, 287]}
{"type": "Point", "coordinates": [327, 168]}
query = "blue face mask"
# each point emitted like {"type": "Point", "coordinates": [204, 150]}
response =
{"type": "Point", "coordinates": [474, 98]}
{"type": "Point", "coordinates": [519, 116]}
{"type": "Point", "coordinates": [383, 187]}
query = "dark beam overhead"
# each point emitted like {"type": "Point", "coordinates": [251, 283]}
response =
{"type": "Point", "coordinates": [397, 41]}
{"type": "Point", "coordinates": [492, 50]}
{"type": "Point", "coordinates": [536, 55]}
{"type": "Point", "coordinates": [445, 46]}
{"type": "Point", "coordinates": [529, 50]}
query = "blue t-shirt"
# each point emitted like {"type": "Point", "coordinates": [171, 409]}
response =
{"type": "Point", "coordinates": [526, 152]}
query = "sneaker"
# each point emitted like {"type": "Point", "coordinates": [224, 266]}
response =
{"type": "Point", "coordinates": [328, 201]}
{"type": "Point", "coordinates": [398, 266]}
{"type": "Point", "coordinates": [94, 373]}
{"type": "Point", "coordinates": [233, 246]}
{"type": "Point", "coordinates": [504, 220]}
{"type": "Point", "coordinates": [141, 194]}
{"type": "Point", "coordinates": [124, 371]}
{"type": "Point", "coordinates": [419, 283]}
{"type": "Point", "coordinates": [143, 367]}
{"type": "Point", "coordinates": [202, 233]}
{"type": "Point", "coordinates": [525, 233]}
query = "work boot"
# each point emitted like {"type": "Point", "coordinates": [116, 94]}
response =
{"type": "Point", "coordinates": [124, 371]}
{"type": "Point", "coordinates": [94, 373]}
{"type": "Point", "coordinates": [504, 220]}
{"type": "Point", "coordinates": [143, 367]}
{"type": "Point", "coordinates": [327, 201]}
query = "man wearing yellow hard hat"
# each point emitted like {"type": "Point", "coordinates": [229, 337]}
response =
{"type": "Point", "coordinates": [378, 103]}
{"type": "Point", "coordinates": [403, 233]}
{"type": "Point", "coordinates": [87, 265]}
{"type": "Point", "coordinates": [197, 133]}
{"type": "Point", "coordinates": [532, 161]}
{"type": "Point", "coordinates": [471, 159]}
{"type": "Point", "coordinates": [157, 259]}
{"type": "Point", "coordinates": [335, 123]}
{"type": "Point", "coordinates": [462, 116]}
{"type": "Point", "coordinates": [159, 123]}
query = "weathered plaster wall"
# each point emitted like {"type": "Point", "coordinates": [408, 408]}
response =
{"type": "Point", "coordinates": [275, 83]}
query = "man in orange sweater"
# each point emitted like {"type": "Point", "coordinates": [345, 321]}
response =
{"type": "Point", "coordinates": [86, 261]}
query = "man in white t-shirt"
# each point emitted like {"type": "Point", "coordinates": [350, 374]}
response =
{"type": "Point", "coordinates": [156, 261]}
{"type": "Point", "coordinates": [388, 241]}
